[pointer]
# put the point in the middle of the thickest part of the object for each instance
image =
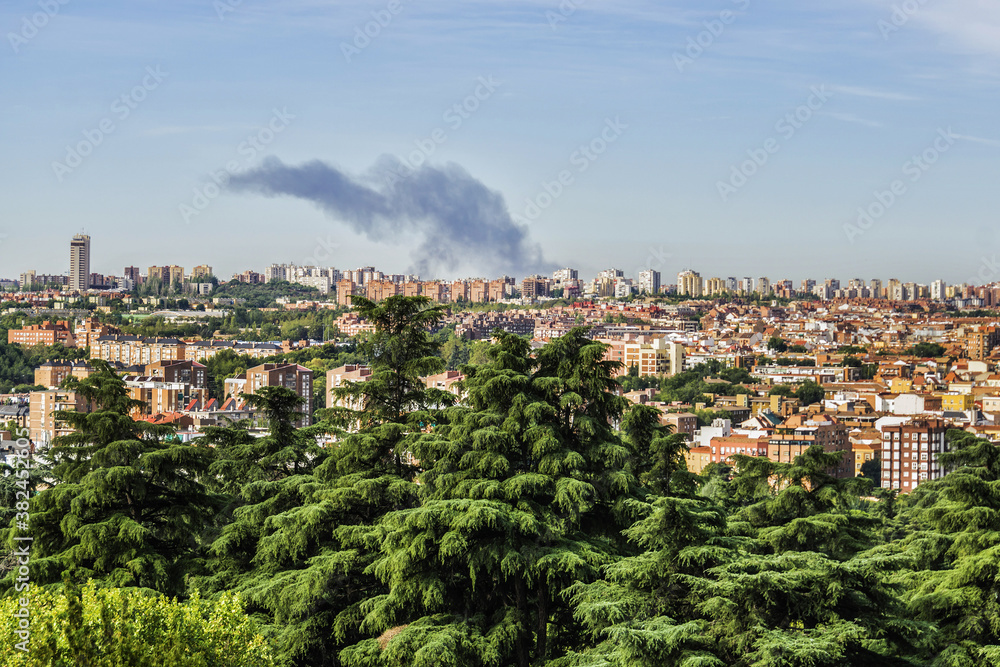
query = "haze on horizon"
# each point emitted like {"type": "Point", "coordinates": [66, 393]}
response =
{"type": "Point", "coordinates": [733, 137]}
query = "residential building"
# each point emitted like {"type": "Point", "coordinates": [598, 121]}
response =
{"type": "Point", "coordinates": [79, 263]}
{"type": "Point", "coordinates": [46, 333]}
{"type": "Point", "coordinates": [200, 271]}
{"type": "Point", "coordinates": [51, 374]}
{"type": "Point", "coordinates": [565, 275]}
{"type": "Point", "coordinates": [689, 283]}
{"type": "Point", "coordinates": [649, 282]}
{"type": "Point", "coordinates": [132, 350]}
{"type": "Point", "coordinates": [534, 287]}
{"type": "Point", "coordinates": [43, 425]}
{"type": "Point", "coordinates": [337, 377]}
{"type": "Point", "coordinates": [290, 376]}
{"type": "Point", "coordinates": [910, 453]}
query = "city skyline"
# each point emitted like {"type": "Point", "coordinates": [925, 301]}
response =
{"type": "Point", "coordinates": [80, 255]}
{"type": "Point", "coordinates": [810, 139]}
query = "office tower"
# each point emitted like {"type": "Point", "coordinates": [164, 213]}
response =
{"type": "Point", "coordinates": [79, 263]}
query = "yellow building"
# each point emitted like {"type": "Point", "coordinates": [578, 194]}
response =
{"type": "Point", "coordinates": [901, 385]}
{"type": "Point", "coordinates": [957, 402]}
{"type": "Point", "coordinates": [715, 286]}
{"type": "Point", "coordinates": [690, 283]}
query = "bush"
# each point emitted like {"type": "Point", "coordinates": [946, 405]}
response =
{"type": "Point", "coordinates": [116, 627]}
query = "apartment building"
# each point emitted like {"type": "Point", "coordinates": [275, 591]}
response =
{"type": "Point", "coordinates": [137, 350]}
{"type": "Point", "coordinates": [43, 426]}
{"type": "Point", "coordinates": [157, 395]}
{"type": "Point", "coordinates": [980, 341]}
{"type": "Point", "coordinates": [652, 356]}
{"type": "Point", "coordinates": [683, 423]}
{"type": "Point", "coordinates": [46, 333]}
{"type": "Point", "coordinates": [649, 281]}
{"type": "Point", "coordinates": [202, 350]}
{"type": "Point", "coordinates": [799, 432]}
{"type": "Point", "coordinates": [910, 453]}
{"type": "Point", "coordinates": [186, 372]}
{"type": "Point", "coordinates": [52, 373]}
{"type": "Point", "coordinates": [290, 376]}
{"type": "Point", "coordinates": [534, 287]}
{"type": "Point", "coordinates": [689, 283]}
{"type": "Point", "coordinates": [379, 290]}
{"type": "Point", "coordinates": [90, 331]}
{"type": "Point", "coordinates": [337, 377]}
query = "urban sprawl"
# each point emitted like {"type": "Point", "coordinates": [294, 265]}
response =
{"type": "Point", "coordinates": [876, 370]}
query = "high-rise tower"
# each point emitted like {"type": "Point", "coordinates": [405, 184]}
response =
{"type": "Point", "coordinates": [79, 263]}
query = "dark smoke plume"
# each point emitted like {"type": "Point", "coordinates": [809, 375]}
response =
{"type": "Point", "coordinates": [459, 221]}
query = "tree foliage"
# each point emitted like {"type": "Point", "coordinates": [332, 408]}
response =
{"type": "Point", "coordinates": [536, 518]}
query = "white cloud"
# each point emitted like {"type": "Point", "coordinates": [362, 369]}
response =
{"type": "Point", "coordinates": [852, 118]}
{"type": "Point", "coordinates": [979, 140]}
{"type": "Point", "coordinates": [859, 91]}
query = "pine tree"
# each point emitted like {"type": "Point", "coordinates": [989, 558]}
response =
{"type": "Point", "coordinates": [951, 550]}
{"type": "Point", "coordinates": [127, 507]}
{"type": "Point", "coordinates": [802, 591]}
{"type": "Point", "coordinates": [518, 500]}
{"type": "Point", "coordinates": [285, 548]}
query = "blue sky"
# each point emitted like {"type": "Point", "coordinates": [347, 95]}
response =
{"type": "Point", "coordinates": [201, 78]}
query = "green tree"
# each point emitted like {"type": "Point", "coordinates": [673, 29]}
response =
{"type": "Point", "coordinates": [810, 392]}
{"type": "Point", "coordinates": [776, 344]}
{"type": "Point", "coordinates": [127, 506]}
{"type": "Point", "coordinates": [949, 558]}
{"type": "Point", "coordinates": [520, 498]}
{"type": "Point", "coordinates": [927, 350]}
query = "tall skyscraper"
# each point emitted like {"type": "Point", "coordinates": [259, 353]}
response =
{"type": "Point", "coordinates": [79, 263]}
